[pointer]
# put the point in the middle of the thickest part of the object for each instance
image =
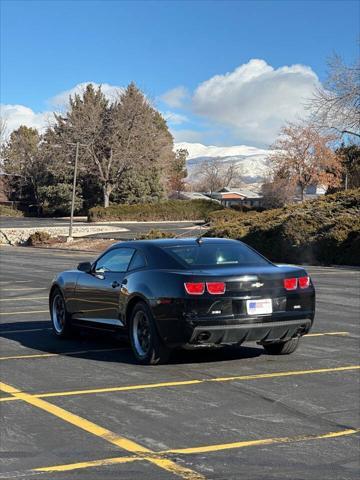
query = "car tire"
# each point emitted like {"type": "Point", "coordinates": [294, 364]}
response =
{"type": "Point", "coordinates": [60, 317]}
{"type": "Point", "coordinates": [282, 348]}
{"type": "Point", "coordinates": [146, 343]}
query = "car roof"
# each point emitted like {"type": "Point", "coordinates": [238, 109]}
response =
{"type": "Point", "coordinates": [156, 249]}
{"type": "Point", "coordinates": [170, 242]}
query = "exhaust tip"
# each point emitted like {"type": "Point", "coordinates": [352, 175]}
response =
{"type": "Point", "coordinates": [203, 336]}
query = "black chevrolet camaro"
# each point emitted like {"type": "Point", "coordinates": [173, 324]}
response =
{"type": "Point", "coordinates": [189, 293]}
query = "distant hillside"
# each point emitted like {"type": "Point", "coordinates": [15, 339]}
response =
{"type": "Point", "coordinates": [251, 160]}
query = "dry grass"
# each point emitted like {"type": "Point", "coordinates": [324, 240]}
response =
{"type": "Point", "coordinates": [81, 244]}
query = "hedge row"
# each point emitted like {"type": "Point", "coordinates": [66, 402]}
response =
{"type": "Point", "coordinates": [167, 210]}
{"type": "Point", "coordinates": [321, 231]}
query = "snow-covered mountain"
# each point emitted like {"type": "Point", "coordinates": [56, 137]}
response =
{"type": "Point", "coordinates": [251, 160]}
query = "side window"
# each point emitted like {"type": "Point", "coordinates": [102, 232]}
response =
{"type": "Point", "coordinates": [116, 260]}
{"type": "Point", "coordinates": [138, 261]}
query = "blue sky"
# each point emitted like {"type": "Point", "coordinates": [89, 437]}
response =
{"type": "Point", "coordinates": [49, 47]}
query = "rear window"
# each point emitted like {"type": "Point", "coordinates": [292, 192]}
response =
{"type": "Point", "coordinates": [216, 255]}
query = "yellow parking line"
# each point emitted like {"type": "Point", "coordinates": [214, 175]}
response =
{"type": "Point", "coordinates": [195, 450]}
{"type": "Point", "coordinates": [285, 374]}
{"type": "Point", "coordinates": [265, 441]}
{"type": "Point", "coordinates": [27, 312]}
{"type": "Point", "coordinates": [15, 281]}
{"type": "Point", "coordinates": [91, 463]}
{"type": "Point", "coordinates": [25, 330]}
{"type": "Point", "coordinates": [62, 354]}
{"type": "Point", "coordinates": [22, 289]}
{"type": "Point", "coordinates": [11, 299]}
{"type": "Point", "coordinates": [191, 382]}
{"type": "Point", "coordinates": [107, 435]}
{"type": "Point", "coordinates": [37, 355]}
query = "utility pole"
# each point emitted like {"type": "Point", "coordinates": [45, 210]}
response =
{"type": "Point", "coordinates": [70, 237]}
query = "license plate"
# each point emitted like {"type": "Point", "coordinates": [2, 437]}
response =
{"type": "Point", "coordinates": [259, 307]}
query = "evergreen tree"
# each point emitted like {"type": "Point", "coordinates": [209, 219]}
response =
{"type": "Point", "coordinates": [88, 121]}
{"type": "Point", "coordinates": [142, 145]}
{"type": "Point", "coordinates": [23, 165]}
{"type": "Point", "coordinates": [350, 159]}
{"type": "Point", "coordinates": [125, 146]}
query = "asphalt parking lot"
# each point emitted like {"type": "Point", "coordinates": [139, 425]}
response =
{"type": "Point", "coordinates": [82, 409]}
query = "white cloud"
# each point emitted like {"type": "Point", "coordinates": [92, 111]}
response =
{"type": "Point", "coordinates": [175, 97]}
{"type": "Point", "coordinates": [248, 105]}
{"type": "Point", "coordinates": [192, 136]}
{"type": "Point", "coordinates": [255, 100]}
{"type": "Point", "coordinates": [16, 115]}
{"type": "Point", "coordinates": [61, 100]}
{"type": "Point", "coordinates": [174, 118]}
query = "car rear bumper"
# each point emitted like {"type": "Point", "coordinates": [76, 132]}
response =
{"type": "Point", "coordinates": [258, 332]}
{"type": "Point", "coordinates": [193, 330]}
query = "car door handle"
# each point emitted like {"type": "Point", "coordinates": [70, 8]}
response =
{"type": "Point", "coordinates": [115, 284]}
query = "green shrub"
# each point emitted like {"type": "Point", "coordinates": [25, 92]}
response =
{"type": "Point", "coordinates": [153, 234]}
{"type": "Point", "coordinates": [56, 199]}
{"type": "Point", "coordinates": [233, 213]}
{"type": "Point", "coordinates": [339, 242]}
{"type": "Point", "coordinates": [6, 211]}
{"type": "Point", "coordinates": [227, 215]}
{"type": "Point", "coordinates": [166, 210]}
{"type": "Point", "coordinates": [325, 230]}
{"type": "Point", "coordinates": [38, 238]}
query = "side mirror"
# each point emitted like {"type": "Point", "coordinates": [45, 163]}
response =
{"type": "Point", "coordinates": [85, 267]}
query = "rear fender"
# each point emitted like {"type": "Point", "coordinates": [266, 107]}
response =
{"type": "Point", "coordinates": [131, 302]}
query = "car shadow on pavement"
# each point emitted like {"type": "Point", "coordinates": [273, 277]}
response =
{"type": "Point", "coordinates": [104, 346]}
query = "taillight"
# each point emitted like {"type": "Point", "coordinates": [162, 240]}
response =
{"type": "Point", "coordinates": [304, 282]}
{"type": "Point", "coordinates": [290, 283]}
{"type": "Point", "coordinates": [215, 288]}
{"type": "Point", "coordinates": [194, 288]}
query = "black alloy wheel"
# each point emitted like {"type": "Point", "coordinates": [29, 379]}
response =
{"type": "Point", "coordinates": [145, 341]}
{"type": "Point", "coordinates": [60, 318]}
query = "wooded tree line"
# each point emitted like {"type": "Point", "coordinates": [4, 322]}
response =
{"type": "Point", "coordinates": [126, 151]}
{"type": "Point", "coordinates": [125, 155]}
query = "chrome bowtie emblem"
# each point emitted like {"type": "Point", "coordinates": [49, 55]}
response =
{"type": "Point", "coordinates": [257, 285]}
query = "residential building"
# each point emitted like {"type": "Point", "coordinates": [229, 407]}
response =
{"type": "Point", "coordinates": [230, 197]}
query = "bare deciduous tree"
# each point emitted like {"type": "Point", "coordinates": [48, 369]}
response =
{"type": "Point", "coordinates": [277, 192]}
{"type": "Point", "coordinates": [336, 105]}
{"type": "Point", "coordinates": [178, 172]}
{"type": "Point", "coordinates": [215, 174]}
{"type": "Point", "coordinates": [303, 156]}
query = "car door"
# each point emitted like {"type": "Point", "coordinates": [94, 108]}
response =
{"type": "Point", "coordinates": [97, 293]}
{"type": "Point", "coordinates": [138, 263]}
